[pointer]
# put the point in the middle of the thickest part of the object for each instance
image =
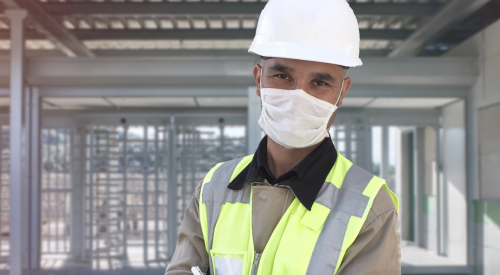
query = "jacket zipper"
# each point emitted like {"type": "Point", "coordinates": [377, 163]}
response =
{"type": "Point", "coordinates": [255, 265]}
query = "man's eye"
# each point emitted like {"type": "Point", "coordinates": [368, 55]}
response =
{"type": "Point", "coordinates": [282, 76]}
{"type": "Point", "coordinates": [321, 83]}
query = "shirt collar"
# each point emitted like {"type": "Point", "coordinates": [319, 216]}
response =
{"type": "Point", "coordinates": [305, 179]}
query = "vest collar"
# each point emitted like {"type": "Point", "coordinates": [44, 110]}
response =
{"type": "Point", "coordinates": [305, 179]}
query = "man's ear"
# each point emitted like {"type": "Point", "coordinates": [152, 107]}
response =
{"type": "Point", "coordinates": [256, 75]}
{"type": "Point", "coordinates": [345, 88]}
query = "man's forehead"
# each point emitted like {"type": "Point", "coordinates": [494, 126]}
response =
{"type": "Point", "coordinates": [326, 73]}
{"type": "Point", "coordinates": [293, 65]}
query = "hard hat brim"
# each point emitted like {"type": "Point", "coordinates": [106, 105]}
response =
{"type": "Point", "coordinates": [305, 52]}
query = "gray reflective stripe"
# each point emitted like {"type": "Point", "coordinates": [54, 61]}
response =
{"type": "Point", "coordinates": [356, 179]}
{"type": "Point", "coordinates": [328, 195]}
{"type": "Point", "coordinates": [346, 202]}
{"type": "Point", "coordinates": [215, 193]}
{"type": "Point", "coordinates": [241, 196]}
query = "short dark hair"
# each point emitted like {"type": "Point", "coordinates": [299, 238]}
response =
{"type": "Point", "coordinates": [265, 57]}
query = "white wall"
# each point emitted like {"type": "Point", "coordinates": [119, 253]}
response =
{"type": "Point", "coordinates": [430, 161]}
{"type": "Point", "coordinates": [430, 191]}
{"type": "Point", "coordinates": [454, 165]}
{"type": "Point", "coordinates": [485, 46]}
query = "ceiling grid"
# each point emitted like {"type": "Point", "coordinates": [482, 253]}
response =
{"type": "Point", "coordinates": [211, 24]}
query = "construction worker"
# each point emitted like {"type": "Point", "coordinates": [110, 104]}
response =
{"type": "Point", "coordinates": [297, 206]}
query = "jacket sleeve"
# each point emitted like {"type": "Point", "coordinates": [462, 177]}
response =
{"type": "Point", "coordinates": [377, 249]}
{"type": "Point", "coordinates": [190, 250]}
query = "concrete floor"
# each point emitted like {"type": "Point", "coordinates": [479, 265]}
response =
{"type": "Point", "coordinates": [416, 256]}
{"type": "Point", "coordinates": [410, 256]}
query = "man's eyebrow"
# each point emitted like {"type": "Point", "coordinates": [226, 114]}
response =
{"type": "Point", "coordinates": [281, 68]}
{"type": "Point", "coordinates": [323, 76]}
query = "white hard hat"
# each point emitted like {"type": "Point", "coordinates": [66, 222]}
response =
{"type": "Point", "coordinates": [314, 30]}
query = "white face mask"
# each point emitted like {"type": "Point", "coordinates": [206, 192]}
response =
{"type": "Point", "coordinates": [294, 118]}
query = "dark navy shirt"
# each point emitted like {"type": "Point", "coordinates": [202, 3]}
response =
{"type": "Point", "coordinates": [305, 179]}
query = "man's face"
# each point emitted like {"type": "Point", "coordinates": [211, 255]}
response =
{"type": "Point", "coordinates": [320, 80]}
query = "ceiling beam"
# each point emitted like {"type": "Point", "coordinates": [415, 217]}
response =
{"type": "Point", "coordinates": [211, 34]}
{"type": "Point", "coordinates": [147, 34]}
{"type": "Point", "coordinates": [242, 91]}
{"type": "Point", "coordinates": [29, 34]}
{"type": "Point", "coordinates": [68, 8]}
{"type": "Point", "coordinates": [50, 28]}
{"type": "Point", "coordinates": [201, 52]}
{"type": "Point", "coordinates": [450, 15]}
{"type": "Point", "coordinates": [230, 71]}
{"type": "Point", "coordinates": [170, 52]}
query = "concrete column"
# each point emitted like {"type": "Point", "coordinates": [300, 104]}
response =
{"type": "Point", "coordinates": [368, 150]}
{"type": "Point", "coordinates": [361, 146]}
{"type": "Point", "coordinates": [222, 139]}
{"type": "Point", "coordinates": [34, 197]}
{"type": "Point", "coordinates": [172, 191]}
{"type": "Point", "coordinates": [384, 162]}
{"type": "Point", "coordinates": [440, 200]}
{"type": "Point", "coordinates": [17, 184]}
{"type": "Point", "coordinates": [419, 180]}
{"type": "Point", "coordinates": [254, 132]}
{"type": "Point", "coordinates": [472, 164]}
{"type": "Point", "coordinates": [78, 193]}
{"type": "Point", "coordinates": [348, 141]}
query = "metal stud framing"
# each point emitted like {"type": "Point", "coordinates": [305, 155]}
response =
{"type": "Point", "coordinates": [4, 196]}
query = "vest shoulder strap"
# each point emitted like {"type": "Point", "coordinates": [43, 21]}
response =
{"type": "Point", "coordinates": [214, 194]}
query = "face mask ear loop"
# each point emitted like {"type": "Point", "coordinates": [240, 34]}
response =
{"type": "Point", "coordinates": [260, 81]}
{"type": "Point", "coordinates": [341, 90]}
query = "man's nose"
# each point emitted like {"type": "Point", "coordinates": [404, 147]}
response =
{"type": "Point", "coordinates": [301, 84]}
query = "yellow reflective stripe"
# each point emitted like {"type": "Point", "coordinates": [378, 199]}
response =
{"type": "Point", "coordinates": [268, 259]}
{"type": "Point", "coordinates": [229, 214]}
{"type": "Point", "coordinates": [232, 227]}
{"type": "Point", "coordinates": [371, 188]}
{"type": "Point", "coordinates": [393, 197]}
{"type": "Point", "coordinates": [241, 165]}
{"type": "Point", "coordinates": [349, 237]}
{"type": "Point", "coordinates": [203, 223]}
{"type": "Point", "coordinates": [339, 170]}
{"type": "Point", "coordinates": [203, 207]}
{"type": "Point", "coordinates": [315, 218]}
{"type": "Point", "coordinates": [232, 232]}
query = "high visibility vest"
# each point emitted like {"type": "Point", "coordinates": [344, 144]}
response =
{"type": "Point", "coordinates": [304, 242]}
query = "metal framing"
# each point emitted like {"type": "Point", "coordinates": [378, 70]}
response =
{"type": "Point", "coordinates": [447, 17]}
{"type": "Point", "coordinates": [172, 191]}
{"type": "Point", "coordinates": [236, 8]}
{"type": "Point", "coordinates": [35, 173]}
{"type": "Point", "coordinates": [440, 193]}
{"type": "Point", "coordinates": [55, 191]}
{"type": "Point", "coordinates": [472, 173]}
{"type": "Point", "coordinates": [378, 73]}
{"type": "Point", "coordinates": [17, 184]}
{"type": "Point", "coordinates": [4, 195]}
{"type": "Point", "coordinates": [195, 34]}
{"type": "Point", "coordinates": [419, 183]}
{"type": "Point", "coordinates": [108, 153]}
